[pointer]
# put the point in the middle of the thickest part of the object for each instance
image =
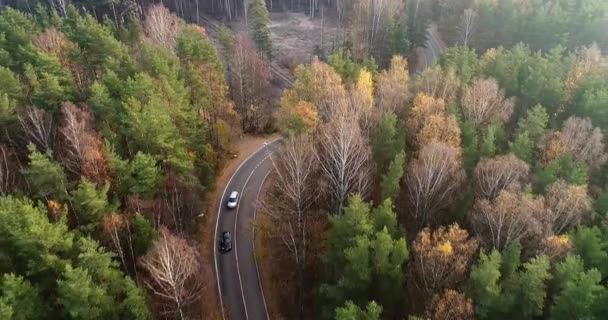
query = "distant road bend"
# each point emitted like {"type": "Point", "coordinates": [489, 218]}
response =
{"type": "Point", "coordinates": [239, 286]}
{"type": "Point", "coordinates": [213, 28]}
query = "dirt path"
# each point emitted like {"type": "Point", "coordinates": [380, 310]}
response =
{"type": "Point", "coordinates": [242, 148]}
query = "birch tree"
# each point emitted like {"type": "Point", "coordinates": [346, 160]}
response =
{"type": "Point", "coordinates": [432, 181]}
{"type": "Point", "coordinates": [392, 89]}
{"type": "Point", "coordinates": [505, 172]}
{"type": "Point", "coordinates": [484, 102]}
{"type": "Point", "coordinates": [81, 149]}
{"type": "Point", "coordinates": [162, 26]}
{"type": "Point", "coordinates": [584, 142]}
{"type": "Point", "coordinates": [344, 157]}
{"type": "Point", "coordinates": [37, 126]}
{"type": "Point", "coordinates": [468, 24]}
{"type": "Point", "coordinates": [508, 218]}
{"type": "Point", "coordinates": [569, 204]}
{"type": "Point", "coordinates": [173, 274]}
{"type": "Point", "coordinates": [295, 166]}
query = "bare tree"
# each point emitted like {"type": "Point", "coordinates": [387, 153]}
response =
{"type": "Point", "coordinates": [60, 6]}
{"type": "Point", "coordinates": [295, 166]}
{"type": "Point", "coordinates": [37, 126]}
{"type": "Point", "coordinates": [179, 204]}
{"type": "Point", "coordinates": [249, 77]}
{"type": "Point", "coordinates": [584, 142]}
{"type": "Point", "coordinates": [162, 26]}
{"type": "Point", "coordinates": [437, 83]}
{"type": "Point", "coordinates": [432, 180]}
{"type": "Point", "coordinates": [468, 24]}
{"type": "Point", "coordinates": [484, 102]}
{"type": "Point", "coordinates": [81, 147]}
{"type": "Point", "coordinates": [505, 172]}
{"type": "Point", "coordinates": [173, 270]}
{"type": "Point", "coordinates": [569, 204]}
{"type": "Point", "coordinates": [344, 156]}
{"type": "Point", "coordinates": [508, 218]}
{"type": "Point", "coordinates": [8, 169]}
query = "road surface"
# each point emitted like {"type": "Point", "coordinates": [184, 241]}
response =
{"type": "Point", "coordinates": [240, 290]}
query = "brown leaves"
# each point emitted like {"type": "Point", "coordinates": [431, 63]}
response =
{"type": "Point", "coordinates": [440, 128]}
{"type": "Point", "coordinates": [81, 149]}
{"type": "Point", "coordinates": [510, 217]}
{"type": "Point", "coordinates": [432, 180]}
{"type": "Point", "coordinates": [556, 248]}
{"type": "Point", "coordinates": [569, 205]}
{"type": "Point", "coordinates": [451, 305]}
{"type": "Point", "coordinates": [484, 102]}
{"type": "Point", "coordinates": [584, 142]}
{"type": "Point", "coordinates": [441, 259]}
{"type": "Point", "coordinates": [424, 107]}
{"type": "Point", "coordinates": [392, 86]}
{"type": "Point", "coordinates": [505, 172]}
{"type": "Point", "coordinates": [429, 121]}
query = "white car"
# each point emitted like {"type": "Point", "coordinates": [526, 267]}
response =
{"type": "Point", "coordinates": [233, 200]}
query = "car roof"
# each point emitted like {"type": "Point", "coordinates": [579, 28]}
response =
{"type": "Point", "coordinates": [233, 194]}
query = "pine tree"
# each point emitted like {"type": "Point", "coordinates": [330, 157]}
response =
{"type": "Point", "coordinates": [261, 21]}
{"type": "Point", "coordinates": [391, 181]}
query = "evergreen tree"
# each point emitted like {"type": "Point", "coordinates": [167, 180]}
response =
{"type": "Point", "coordinates": [579, 291]}
{"type": "Point", "coordinates": [387, 141]}
{"type": "Point", "coordinates": [391, 181]}
{"type": "Point", "coordinates": [261, 21]}
{"type": "Point", "coordinates": [19, 295]}
{"type": "Point", "coordinates": [45, 176]}
{"type": "Point", "coordinates": [90, 204]}
{"type": "Point", "coordinates": [351, 311]}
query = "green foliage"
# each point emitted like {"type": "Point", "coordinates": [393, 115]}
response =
{"type": "Point", "coordinates": [488, 147]}
{"type": "Point", "coordinates": [90, 204]}
{"type": "Point", "coordinates": [45, 176]}
{"type": "Point", "coordinates": [261, 31]}
{"type": "Point", "coordinates": [398, 38]}
{"type": "Point", "coordinates": [366, 253]}
{"type": "Point", "coordinates": [531, 288]}
{"type": "Point", "coordinates": [591, 245]}
{"type": "Point", "coordinates": [579, 291]}
{"type": "Point", "coordinates": [590, 99]}
{"type": "Point", "coordinates": [391, 181]}
{"type": "Point", "coordinates": [470, 141]}
{"type": "Point", "coordinates": [565, 168]}
{"type": "Point", "coordinates": [18, 294]}
{"type": "Point", "coordinates": [388, 141]}
{"type": "Point", "coordinates": [530, 130]}
{"type": "Point", "coordinates": [463, 61]}
{"type": "Point", "coordinates": [484, 285]}
{"type": "Point", "coordinates": [344, 65]}
{"type": "Point", "coordinates": [81, 297]}
{"type": "Point", "coordinates": [351, 311]}
{"type": "Point", "coordinates": [503, 288]}
{"type": "Point", "coordinates": [145, 234]}
{"type": "Point", "coordinates": [139, 176]}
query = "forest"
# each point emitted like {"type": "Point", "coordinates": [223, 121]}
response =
{"type": "Point", "coordinates": [476, 188]}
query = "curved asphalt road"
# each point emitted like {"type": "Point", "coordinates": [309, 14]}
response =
{"type": "Point", "coordinates": [240, 290]}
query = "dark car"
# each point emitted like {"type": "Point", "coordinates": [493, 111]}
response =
{"type": "Point", "coordinates": [226, 241]}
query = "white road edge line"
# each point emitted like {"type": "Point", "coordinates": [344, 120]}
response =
{"type": "Point", "coordinates": [236, 247]}
{"type": "Point", "coordinates": [257, 270]}
{"type": "Point", "coordinates": [217, 221]}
